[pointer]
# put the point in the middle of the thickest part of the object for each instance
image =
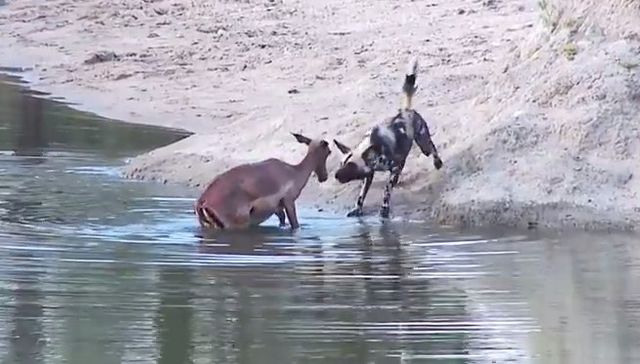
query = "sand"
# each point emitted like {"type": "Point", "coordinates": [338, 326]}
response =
{"type": "Point", "coordinates": [534, 106]}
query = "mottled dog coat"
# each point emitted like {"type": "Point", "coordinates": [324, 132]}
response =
{"type": "Point", "coordinates": [386, 147]}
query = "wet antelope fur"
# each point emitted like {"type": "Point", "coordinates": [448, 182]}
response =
{"type": "Point", "coordinates": [385, 148]}
{"type": "Point", "coordinates": [249, 194]}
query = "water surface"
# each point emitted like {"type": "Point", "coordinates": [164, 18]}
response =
{"type": "Point", "coordinates": [96, 269]}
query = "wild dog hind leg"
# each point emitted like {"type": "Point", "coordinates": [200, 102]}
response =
{"type": "Point", "coordinates": [396, 177]}
{"type": "Point", "coordinates": [422, 137]}
{"type": "Point", "coordinates": [388, 187]}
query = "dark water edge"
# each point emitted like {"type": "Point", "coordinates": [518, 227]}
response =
{"type": "Point", "coordinates": [25, 109]}
{"type": "Point", "coordinates": [98, 269]}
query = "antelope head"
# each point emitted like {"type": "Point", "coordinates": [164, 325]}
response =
{"type": "Point", "coordinates": [353, 165]}
{"type": "Point", "coordinates": [316, 155]}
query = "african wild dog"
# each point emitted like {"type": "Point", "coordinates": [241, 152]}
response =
{"type": "Point", "coordinates": [386, 147]}
{"type": "Point", "coordinates": [249, 194]}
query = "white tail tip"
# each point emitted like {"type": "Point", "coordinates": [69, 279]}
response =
{"type": "Point", "coordinates": [412, 68]}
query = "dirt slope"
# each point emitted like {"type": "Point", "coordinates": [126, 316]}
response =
{"type": "Point", "coordinates": [534, 105]}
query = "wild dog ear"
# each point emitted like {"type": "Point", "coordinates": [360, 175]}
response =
{"type": "Point", "coordinates": [341, 147]}
{"type": "Point", "coordinates": [301, 138]}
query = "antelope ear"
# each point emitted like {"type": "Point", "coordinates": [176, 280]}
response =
{"type": "Point", "coordinates": [301, 138]}
{"type": "Point", "coordinates": [341, 147]}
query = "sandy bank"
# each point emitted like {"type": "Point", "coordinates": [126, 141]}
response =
{"type": "Point", "coordinates": [533, 109]}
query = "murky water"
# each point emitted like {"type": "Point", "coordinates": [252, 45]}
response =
{"type": "Point", "coordinates": [94, 269]}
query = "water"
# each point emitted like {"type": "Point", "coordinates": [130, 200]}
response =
{"type": "Point", "coordinates": [95, 269]}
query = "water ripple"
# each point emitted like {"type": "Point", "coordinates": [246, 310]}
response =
{"type": "Point", "coordinates": [97, 269]}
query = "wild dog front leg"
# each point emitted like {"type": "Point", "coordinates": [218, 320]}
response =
{"type": "Point", "coordinates": [384, 211]}
{"type": "Point", "coordinates": [366, 184]}
{"type": "Point", "coordinates": [290, 209]}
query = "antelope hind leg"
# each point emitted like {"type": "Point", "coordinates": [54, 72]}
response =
{"type": "Point", "coordinates": [241, 218]}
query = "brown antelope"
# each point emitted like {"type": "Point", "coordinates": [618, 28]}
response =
{"type": "Point", "coordinates": [249, 194]}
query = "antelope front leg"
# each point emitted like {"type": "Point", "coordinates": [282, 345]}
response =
{"type": "Point", "coordinates": [280, 215]}
{"type": "Point", "coordinates": [357, 211]}
{"type": "Point", "coordinates": [290, 209]}
{"type": "Point", "coordinates": [393, 176]}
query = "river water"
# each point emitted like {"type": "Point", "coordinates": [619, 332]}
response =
{"type": "Point", "coordinates": [96, 269]}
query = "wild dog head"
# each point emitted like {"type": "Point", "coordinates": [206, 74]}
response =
{"type": "Point", "coordinates": [354, 164]}
{"type": "Point", "coordinates": [319, 151]}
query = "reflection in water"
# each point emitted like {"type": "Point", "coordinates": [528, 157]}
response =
{"type": "Point", "coordinates": [27, 339]}
{"type": "Point", "coordinates": [390, 243]}
{"type": "Point", "coordinates": [175, 316]}
{"type": "Point", "coordinates": [33, 126]}
{"type": "Point", "coordinates": [30, 140]}
{"type": "Point", "coordinates": [94, 269]}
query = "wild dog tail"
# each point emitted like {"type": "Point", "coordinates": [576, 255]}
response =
{"type": "Point", "coordinates": [409, 87]}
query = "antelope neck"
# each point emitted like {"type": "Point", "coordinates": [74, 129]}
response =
{"type": "Point", "coordinates": [307, 165]}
